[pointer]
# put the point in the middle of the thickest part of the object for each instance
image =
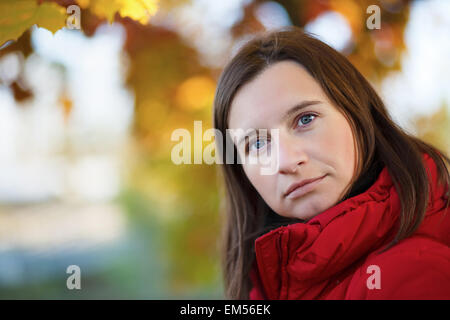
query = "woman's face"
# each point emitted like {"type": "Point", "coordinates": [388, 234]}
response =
{"type": "Point", "coordinates": [314, 140]}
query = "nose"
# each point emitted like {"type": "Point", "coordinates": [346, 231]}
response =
{"type": "Point", "coordinates": [291, 154]}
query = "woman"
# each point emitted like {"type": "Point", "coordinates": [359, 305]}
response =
{"type": "Point", "coordinates": [356, 208]}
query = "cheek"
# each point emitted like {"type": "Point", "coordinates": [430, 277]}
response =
{"type": "Point", "coordinates": [349, 158]}
{"type": "Point", "coordinates": [264, 184]}
{"type": "Point", "coordinates": [336, 143]}
{"type": "Point", "coordinates": [344, 149]}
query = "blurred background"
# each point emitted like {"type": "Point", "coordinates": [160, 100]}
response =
{"type": "Point", "coordinates": [86, 117]}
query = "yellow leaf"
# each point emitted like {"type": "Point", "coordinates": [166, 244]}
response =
{"type": "Point", "coordinates": [139, 10]}
{"type": "Point", "coordinates": [17, 16]}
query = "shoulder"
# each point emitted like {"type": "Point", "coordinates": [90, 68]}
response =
{"type": "Point", "coordinates": [416, 268]}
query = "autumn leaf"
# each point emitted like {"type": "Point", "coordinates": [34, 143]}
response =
{"type": "Point", "coordinates": [139, 10]}
{"type": "Point", "coordinates": [17, 16]}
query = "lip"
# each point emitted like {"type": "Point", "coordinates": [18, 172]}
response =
{"type": "Point", "coordinates": [298, 189]}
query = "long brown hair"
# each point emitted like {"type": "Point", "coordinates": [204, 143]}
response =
{"type": "Point", "coordinates": [377, 137]}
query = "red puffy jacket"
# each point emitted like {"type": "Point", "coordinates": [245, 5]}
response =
{"type": "Point", "coordinates": [333, 255]}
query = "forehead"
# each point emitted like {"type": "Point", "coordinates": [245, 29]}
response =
{"type": "Point", "coordinates": [262, 102]}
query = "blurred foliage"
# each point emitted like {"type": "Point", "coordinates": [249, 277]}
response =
{"type": "Point", "coordinates": [17, 16]}
{"type": "Point", "coordinates": [435, 128]}
{"type": "Point", "coordinates": [175, 209]}
{"type": "Point", "coordinates": [139, 10]}
{"type": "Point", "coordinates": [374, 52]}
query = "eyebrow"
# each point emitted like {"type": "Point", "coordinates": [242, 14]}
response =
{"type": "Point", "coordinates": [293, 110]}
{"type": "Point", "coordinates": [298, 107]}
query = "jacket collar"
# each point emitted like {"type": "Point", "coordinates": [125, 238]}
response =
{"type": "Point", "coordinates": [336, 238]}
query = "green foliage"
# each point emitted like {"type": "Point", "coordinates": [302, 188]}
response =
{"type": "Point", "coordinates": [17, 16]}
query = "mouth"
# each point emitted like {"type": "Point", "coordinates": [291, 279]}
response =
{"type": "Point", "coordinates": [298, 189]}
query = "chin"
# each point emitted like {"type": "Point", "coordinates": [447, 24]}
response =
{"type": "Point", "coordinates": [310, 210]}
{"type": "Point", "coordinates": [308, 216]}
{"type": "Point", "coordinates": [298, 213]}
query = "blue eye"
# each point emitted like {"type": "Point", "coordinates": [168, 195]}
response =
{"type": "Point", "coordinates": [305, 119]}
{"type": "Point", "coordinates": [257, 145]}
